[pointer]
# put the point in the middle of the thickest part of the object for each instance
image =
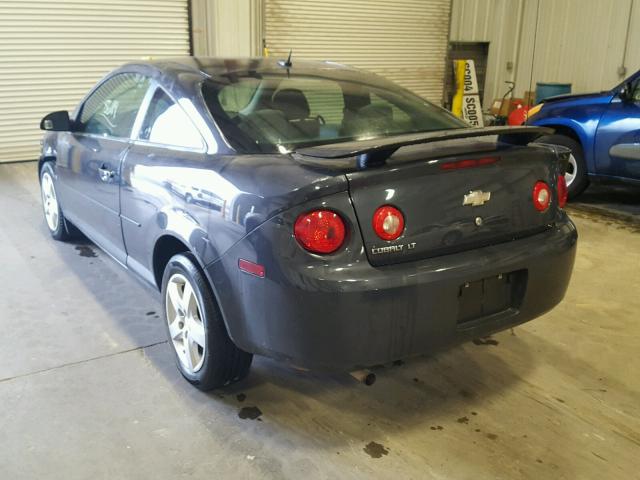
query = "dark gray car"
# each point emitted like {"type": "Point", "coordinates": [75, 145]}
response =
{"type": "Point", "coordinates": [313, 213]}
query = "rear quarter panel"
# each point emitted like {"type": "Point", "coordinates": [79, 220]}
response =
{"type": "Point", "coordinates": [209, 202]}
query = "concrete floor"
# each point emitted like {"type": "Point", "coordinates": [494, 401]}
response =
{"type": "Point", "coordinates": [88, 388]}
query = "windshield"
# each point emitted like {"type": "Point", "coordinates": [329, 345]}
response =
{"type": "Point", "coordinates": [276, 113]}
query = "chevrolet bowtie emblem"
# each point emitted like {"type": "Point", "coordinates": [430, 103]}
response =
{"type": "Point", "coordinates": [475, 198]}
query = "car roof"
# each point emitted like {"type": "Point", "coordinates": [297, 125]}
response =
{"type": "Point", "coordinates": [214, 66]}
{"type": "Point", "coordinates": [222, 69]}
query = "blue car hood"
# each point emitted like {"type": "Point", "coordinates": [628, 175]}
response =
{"type": "Point", "coordinates": [606, 95]}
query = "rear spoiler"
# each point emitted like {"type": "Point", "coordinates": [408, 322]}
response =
{"type": "Point", "coordinates": [376, 151]}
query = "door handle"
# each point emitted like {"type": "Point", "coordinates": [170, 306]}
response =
{"type": "Point", "coordinates": [105, 173]}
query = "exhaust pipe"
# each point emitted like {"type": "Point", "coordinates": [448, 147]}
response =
{"type": "Point", "coordinates": [364, 376]}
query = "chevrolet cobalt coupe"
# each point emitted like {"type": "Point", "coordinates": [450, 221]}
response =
{"type": "Point", "coordinates": [309, 212]}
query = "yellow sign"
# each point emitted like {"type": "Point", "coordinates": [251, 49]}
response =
{"type": "Point", "coordinates": [456, 105]}
{"type": "Point", "coordinates": [466, 101]}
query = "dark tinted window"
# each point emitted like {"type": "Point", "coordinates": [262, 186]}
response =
{"type": "Point", "coordinates": [111, 109]}
{"type": "Point", "coordinates": [271, 113]}
{"type": "Point", "coordinates": [636, 91]}
{"type": "Point", "coordinates": [166, 123]}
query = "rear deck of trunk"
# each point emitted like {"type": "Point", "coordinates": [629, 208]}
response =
{"type": "Point", "coordinates": [453, 200]}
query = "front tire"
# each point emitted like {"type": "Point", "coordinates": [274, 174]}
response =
{"type": "Point", "coordinates": [53, 215]}
{"type": "Point", "coordinates": [576, 175]}
{"type": "Point", "coordinates": [205, 355]}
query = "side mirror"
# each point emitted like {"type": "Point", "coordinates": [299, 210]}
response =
{"type": "Point", "coordinates": [626, 93]}
{"type": "Point", "coordinates": [56, 122]}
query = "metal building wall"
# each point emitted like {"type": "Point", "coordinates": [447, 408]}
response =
{"type": "Point", "coordinates": [633, 44]}
{"type": "Point", "coordinates": [404, 40]}
{"type": "Point", "coordinates": [51, 53]}
{"type": "Point", "coordinates": [577, 41]}
{"type": "Point", "coordinates": [227, 28]}
{"type": "Point", "coordinates": [497, 22]}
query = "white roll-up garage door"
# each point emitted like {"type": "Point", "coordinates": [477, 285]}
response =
{"type": "Point", "coordinates": [403, 40]}
{"type": "Point", "coordinates": [52, 52]}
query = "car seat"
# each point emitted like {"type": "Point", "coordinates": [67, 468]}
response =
{"type": "Point", "coordinates": [295, 106]}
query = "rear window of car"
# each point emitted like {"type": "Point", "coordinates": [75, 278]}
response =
{"type": "Point", "coordinates": [276, 113]}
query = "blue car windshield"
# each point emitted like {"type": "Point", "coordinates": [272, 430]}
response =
{"type": "Point", "coordinates": [279, 113]}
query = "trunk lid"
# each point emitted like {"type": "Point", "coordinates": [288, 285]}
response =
{"type": "Point", "coordinates": [487, 199]}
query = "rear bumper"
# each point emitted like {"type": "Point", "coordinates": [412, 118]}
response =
{"type": "Point", "coordinates": [318, 315]}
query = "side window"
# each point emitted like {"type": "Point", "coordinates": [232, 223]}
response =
{"type": "Point", "coordinates": [112, 108]}
{"type": "Point", "coordinates": [166, 123]}
{"type": "Point", "coordinates": [636, 92]}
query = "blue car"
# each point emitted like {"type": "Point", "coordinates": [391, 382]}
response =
{"type": "Point", "coordinates": [601, 129]}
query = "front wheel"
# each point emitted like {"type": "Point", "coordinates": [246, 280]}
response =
{"type": "Point", "coordinates": [576, 174]}
{"type": "Point", "coordinates": [52, 211]}
{"type": "Point", "coordinates": [205, 354]}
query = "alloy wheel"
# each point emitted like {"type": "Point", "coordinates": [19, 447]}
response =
{"type": "Point", "coordinates": [186, 328]}
{"type": "Point", "coordinates": [572, 170]}
{"type": "Point", "coordinates": [50, 201]}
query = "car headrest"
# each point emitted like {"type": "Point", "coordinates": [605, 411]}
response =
{"type": "Point", "coordinates": [292, 103]}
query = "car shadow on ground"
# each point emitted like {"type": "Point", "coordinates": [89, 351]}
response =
{"type": "Point", "coordinates": [333, 408]}
{"type": "Point", "coordinates": [407, 394]}
{"type": "Point", "coordinates": [458, 393]}
{"type": "Point", "coordinates": [133, 306]}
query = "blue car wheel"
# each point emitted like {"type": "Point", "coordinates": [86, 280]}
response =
{"type": "Point", "coordinates": [576, 175]}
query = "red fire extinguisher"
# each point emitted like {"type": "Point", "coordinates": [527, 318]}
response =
{"type": "Point", "coordinates": [519, 115]}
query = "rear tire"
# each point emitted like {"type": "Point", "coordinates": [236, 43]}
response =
{"type": "Point", "coordinates": [54, 218]}
{"type": "Point", "coordinates": [205, 355]}
{"type": "Point", "coordinates": [576, 176]}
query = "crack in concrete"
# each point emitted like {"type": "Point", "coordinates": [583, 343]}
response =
{"type": "Point", "coordinates": [80, 362]}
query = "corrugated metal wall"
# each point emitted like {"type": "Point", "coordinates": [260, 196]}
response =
{"type": "Point", "coordinates": [496, 22]}
{"type": "Point", "coordinates": [403, 40]}
{"type": "Point", "coordinates": [52, 52]}
{"type": "Point", "coordinates": [577, 41]}
{"type": "Point", "coordinates": [227, 28]}
{"type": "Point", "coordinates": [633, 44]}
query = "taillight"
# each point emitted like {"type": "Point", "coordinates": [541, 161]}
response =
{"type": "Point", "coordinates": [320, 231]}
{"type": "Point", "coordinates": [388, 222]}
{"type": "Point", "coordinates": [468, 163]}
{"type": "Point", "coordinates": [541, 196]}
{"type": "Point", "coordinates": [563, 192]}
